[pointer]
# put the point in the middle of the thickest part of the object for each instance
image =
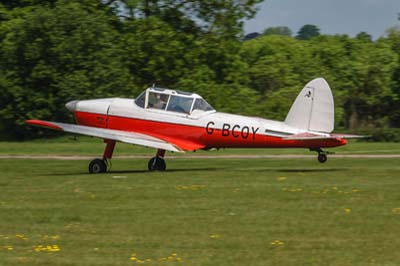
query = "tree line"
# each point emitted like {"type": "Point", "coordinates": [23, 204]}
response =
{"type": "Point", "coordinates": [53, 51]}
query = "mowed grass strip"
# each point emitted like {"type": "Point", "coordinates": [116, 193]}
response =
{"type": "Point", "coordinates": [201, 212]}
{"type": "Point", "coordinates": [70, 146]}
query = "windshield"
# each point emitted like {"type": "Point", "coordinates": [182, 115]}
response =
{"type": "Point", "coordinates": [180, 104]}
{"type": "Point", "coordinates": [201, 104]}
{"type": "Point", "coordinates": [163, 100]}
{"type": "Point", "coordinates": [140, 100]}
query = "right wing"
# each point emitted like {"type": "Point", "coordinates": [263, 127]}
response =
{"type": "Point", "coordinates": [105, 133]}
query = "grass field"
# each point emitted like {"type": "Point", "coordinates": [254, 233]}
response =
{"type": "Point", "coordinates": [92, 146]}
{"type": "Point", "coordinates": [201, 211]}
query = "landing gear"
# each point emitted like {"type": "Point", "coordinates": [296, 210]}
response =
{"type": "Point", "coordinates": [98, 166]}
{"type": "Point", "coordinates": [322, 155]}
{"type": "Point", "coordinates": [157, 163]}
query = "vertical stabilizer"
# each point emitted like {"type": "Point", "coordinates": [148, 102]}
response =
{"type": "Point", "coordinates": [313, 109]}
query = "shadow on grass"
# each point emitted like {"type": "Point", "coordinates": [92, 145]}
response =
{"type": "Point", "coordinates": [311, 170]}
{"type": "Point", "coordinates": [113, 172]}
{"type": "Point", "coordinates": [166, 171]}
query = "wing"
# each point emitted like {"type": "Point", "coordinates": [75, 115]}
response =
{"type": "Point", "coordinates": [118, 135]}
{"type": "Point", "coordinates": [312, 136]}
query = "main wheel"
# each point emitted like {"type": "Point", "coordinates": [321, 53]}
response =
{"type": "Point", "coordinates": [157, 164]}
{"type": "Point", "coordinates": [322, 158]}
{"type": "Point", "coordinates": [97, 166]}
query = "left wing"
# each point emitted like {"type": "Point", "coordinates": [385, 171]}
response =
{"type": "Point", "coordinates": [118, 135]}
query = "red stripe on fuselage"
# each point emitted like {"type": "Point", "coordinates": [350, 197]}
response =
{"type": "Point", "coordinates": [91, 119]}
{"type": "Point", "coordinates": [191, 137]}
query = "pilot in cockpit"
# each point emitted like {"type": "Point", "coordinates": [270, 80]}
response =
{"type": "Point", "coordinates": [159, 101]}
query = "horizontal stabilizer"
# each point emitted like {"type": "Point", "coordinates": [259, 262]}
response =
{"type": "Point", "coordinates": [348, 136]}
{"type": "Point", "coordinates": [312, 136]}
{"type": "Point", "coordinates": [104, 133]}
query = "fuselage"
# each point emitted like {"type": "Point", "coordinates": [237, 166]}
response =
{"type": "Point", "coordinates": [195, 130]}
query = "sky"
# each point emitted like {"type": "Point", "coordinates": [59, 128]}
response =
{"type": "Point", "coordinates": [331, 16]}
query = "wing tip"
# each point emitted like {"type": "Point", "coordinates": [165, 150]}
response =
{"type": "Point", "coordinates": [41, 123]}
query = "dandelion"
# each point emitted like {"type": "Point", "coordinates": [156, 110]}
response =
{"type": "Point", "coordinates": [215, 236]}
{"type": "Point", "coordinates": [281, 178]}
{"type": "Point", "coordinates": [170, 258]}
{"type": "Point", "coordinates": [21, 236]}
{"type": "Point", "coordinates": [48, 248]}
{"type": "Point", "coordinates": [292, 189]}
{"type": "Point", "coordinates": [192, 187]}
{"type": "Point", "coordinates": [8, 248]}
{"type": "Point", "coordinates": [277, 243]}
{"type": "Point", "coordinates": [396, 210]}
{"type": "Point", "coordinates": [347, 210]}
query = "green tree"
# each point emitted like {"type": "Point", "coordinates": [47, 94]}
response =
{"type": "Point", "coordinates": [307, 32]}
{"type": "Point", "coordinates": [280, 30]}
{"type": "Point", "coordinates": [273, 68]}
{"type": "Point", "coordinates": [50, 56]}
{"type": "Point", "coordinates": [25, 3]}
{"type": "Point", "coordinates": [393, 40]}
{"type": "Point", "coordinates": [224, 17]}
{"type": "Point", "coordinates": [363, 36]}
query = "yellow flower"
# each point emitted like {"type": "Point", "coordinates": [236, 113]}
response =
{"type": "Point", "coordinates": [215, 236]}
{"type": "Point", "coordinates": [277, 243]}
{"type": "Point", "coordinates": [8, 248]}
{"type": "Point", "coordinates": [396, 210]}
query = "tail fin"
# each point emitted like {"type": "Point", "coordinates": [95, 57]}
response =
{"type": "Point", "coordinates": [313, 109]}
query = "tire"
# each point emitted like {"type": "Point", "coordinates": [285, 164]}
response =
{"type": "Point", "coordinates": [97, 166]}
{"type": "Point", "coordinates": [156, 164]}
{"type": "Point", "coordinates": [322, 158]}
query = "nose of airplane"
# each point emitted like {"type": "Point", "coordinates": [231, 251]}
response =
{"type": "Point", "coordinates": [71, 106]}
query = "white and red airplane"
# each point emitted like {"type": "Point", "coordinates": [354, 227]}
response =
{"type": "Point", "coordinates": [171, 120]}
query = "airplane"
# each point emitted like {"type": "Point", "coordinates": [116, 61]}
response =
{"type": "Point", "coordinates": [178, 121]}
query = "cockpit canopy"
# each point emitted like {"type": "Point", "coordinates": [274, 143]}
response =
{"type": "Point", "coordinates": [172, 100]}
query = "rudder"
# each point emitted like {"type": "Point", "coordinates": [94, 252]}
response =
{"type": "Point", "coordinates": [313, 109]}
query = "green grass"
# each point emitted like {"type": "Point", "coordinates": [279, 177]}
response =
{"type": "Point", "coordinates": [201, 212]}
{"type": "Point", "coordinates": [68, 145]}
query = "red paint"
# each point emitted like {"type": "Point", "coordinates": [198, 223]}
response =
{"type": "Point", "coordinates": [43, 124]}
{"type": "Point", "coordinates": [108, 152]}
{"type": "Point", "coordinates": [91, 119]}
{"type": "Point", "coordinates": [160, 153]}
{"type": "Point", "coordinates": [194, 137]}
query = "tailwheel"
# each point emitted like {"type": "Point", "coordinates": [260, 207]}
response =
{"type": "Point", "coordinates": [157, 164]}
{"type": "Point", "coordinates": [322, 155]}
{"type": "Point", "coordinates": [98, 166]}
